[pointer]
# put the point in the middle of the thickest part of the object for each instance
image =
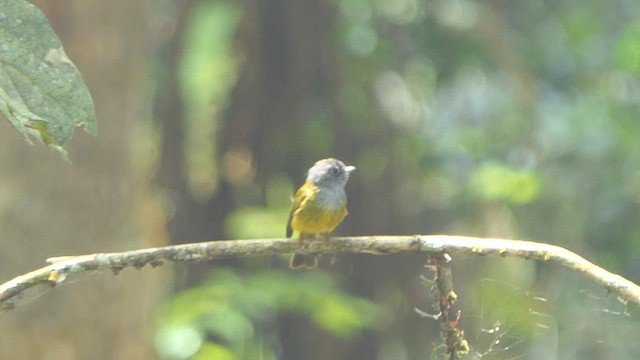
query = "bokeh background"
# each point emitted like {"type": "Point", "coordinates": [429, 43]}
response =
{"type": "Point", "coordinates": [516, 119]}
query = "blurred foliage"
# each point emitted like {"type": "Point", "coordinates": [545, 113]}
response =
{"type": "Point", "coordinates": [518, 103]}
{"type": "Point", "coordinates": [208, 69]}
{"type": "Point", "coordinates": [506, 119]}
{"type": "Point", "coordinates": [251, 222]}
{"type": "Point", "coordinates": [257, 222]}
{"type": "Point", "coordinates": [41, 91]}
{"type": "Point", "coordinates": [226, 316]}
{"type": "Point", "coordinates": [495, 182]}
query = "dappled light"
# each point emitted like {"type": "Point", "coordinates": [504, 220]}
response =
{"type": "Point", "coordinates": [488, 119]}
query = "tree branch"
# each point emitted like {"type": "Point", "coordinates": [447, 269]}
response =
{"type": "Point", "coordinates": [63, 268]}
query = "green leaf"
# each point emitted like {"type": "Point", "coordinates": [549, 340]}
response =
{"type": "Point", "coordinates": [41, 91]}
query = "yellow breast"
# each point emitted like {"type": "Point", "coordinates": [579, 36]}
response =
{"type": "Point", "coordinates": [307, 216]}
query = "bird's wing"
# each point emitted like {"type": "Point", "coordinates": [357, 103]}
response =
{"type": "Point", "coordinates": [289, 229]}
{"type": "Point", "coordinates": [299, 200]}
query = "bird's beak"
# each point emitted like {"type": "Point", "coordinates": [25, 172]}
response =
{"type": "Point", "coordinates": [349, 169]}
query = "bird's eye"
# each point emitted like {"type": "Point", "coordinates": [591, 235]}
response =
{"type": "Point", "coordinates": [334, 171]}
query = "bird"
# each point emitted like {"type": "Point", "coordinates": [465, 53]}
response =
{"type": "Point", "coordinates": [319, 206]}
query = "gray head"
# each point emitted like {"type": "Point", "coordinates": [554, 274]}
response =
{"type": "Point", "coordinates": [329, 173]}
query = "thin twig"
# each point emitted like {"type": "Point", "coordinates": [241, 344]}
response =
{"type": "Point", "coordinates": [455, 344]}
{"type": "Point", "coordinates": [63, 268]}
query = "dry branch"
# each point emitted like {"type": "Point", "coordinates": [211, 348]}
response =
{"type": "Point", "coordinates": [64, 268]}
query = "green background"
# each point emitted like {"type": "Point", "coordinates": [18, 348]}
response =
{"type": "Point", "coordinates": [513, 119]}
